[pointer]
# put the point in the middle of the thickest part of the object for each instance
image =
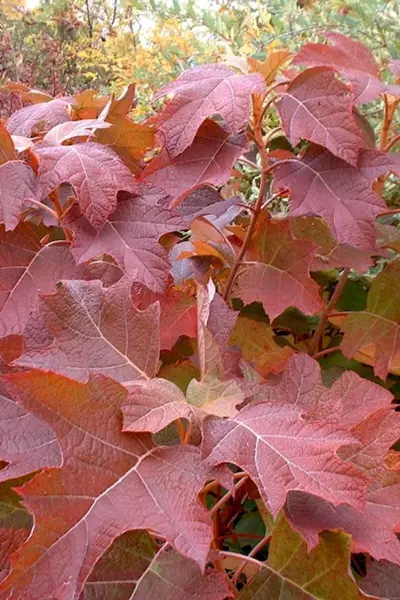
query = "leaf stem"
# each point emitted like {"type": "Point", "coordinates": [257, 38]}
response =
{"type": "Point", "coordinates": [181, 430]}
{"type": "Point", "coordinates": [60, 213]}
{"type": "Point", "coordinates": [265, 171]}
{"type": "Point", "coordinates": [44, 207]}
{"type": "Point", "coordinates": [325, 313]}
{"type": "Point", "coordinates": [241, 557]}
{"type": "Point", "coordinates": [326, 351]}
{"type": "Point", "coordinates": [263, 542]}
{"type": "Point", "coordinates": [228, 495]}
{"type": "Point", "coordinates": [392, 143]}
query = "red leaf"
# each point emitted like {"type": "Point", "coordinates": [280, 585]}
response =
{"type": "Point", "coordinates": [372, 528]}
{"type": "Point", "coordinates": [317, 107]}
{"type": "Point", "coordinates": [324, 185]}
{"type": "Point", "coordinates": [282, 278]}
{"type": "Point", "coordinates": [83, 328]}
{"type": "Point", "coordinates": [131, 236]}
{"type": "Point", "coordinates": [95, 173]}
{"type": "Point", "coordinates": [282, 450]}
{"type": "Point", "coordinates": [109, 483]}
{"type": "Point", "coordinates": [51, 113]}
{"type": "Point", "coordinates": [27, 443]}
{"type": "Point", "coordinates": [209, 159]}
{"type": "Point", "coordinates": [379, 324]}
{"type": "Point", "coordinates": [17, 184]}
{"type": "Point", "coordinates": [206, 201]}
{"type": "Point", "coordinates": [330, 254]}
{"type": "Point", "coordinates": [347, 402]}
{"type": "Point", "coordinates": [174, 577]}
{"type": "Point", "coordinates": [382, 580]}
{"type": "Point", "coordinates": [27, 268]}
{"type": "Point", "coordinates": [200, 93]}
{"type": "Point", "coordinates": [351, 59]}
{"type": "Point", "coordinates": [178, 317]}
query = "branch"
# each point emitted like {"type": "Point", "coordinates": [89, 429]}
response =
{"type": "Point", "coordinates": [228, 495]}
{"type": "Point", "coordinates": [328, 308]}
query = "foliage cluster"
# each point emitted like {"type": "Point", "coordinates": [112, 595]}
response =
{"type": "Point", "coordinates": [200, 336]}
{"type": "Point", "coordinates": [64, 47]}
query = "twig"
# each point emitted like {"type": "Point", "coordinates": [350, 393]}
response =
{"type": "Point", "coordinates": [226, 496]}
{"type": "Point", "coordinates": [392, 143]}
{"type": "Point", "coordinates": [248, 162]}
{"type": "Point", "coordinates": [326, 351]}
{"type": "Point", "coordinates": [325, 313]}
{"type": "Point", "coordinates": [44, 207]}
{"type": "Point", "coordinates": [265, 540]}
{"type": "Point", "coordinates": [241, 557]}
{"type": "Point", "coordinates": [60, 213]}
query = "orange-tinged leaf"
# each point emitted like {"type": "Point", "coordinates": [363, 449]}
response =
{"type": "Point", "coordinates": [292, 572]}
{"type": "Point", "coordinates": [330, 253]}
{"type": "Point", "coordinates": [376, 330]}
{"type": "Point", "coordinates": [7, 150]}
{"type": "Point", "coordinates": [280, 277]}
{"type": "Point", "coordinates": [215, 397]}
{"type": "Point", "coordinates": [128, 139]}
{"type": "Point", "coordinates": [87, 105]}
{"type": "Point", "coordinates": [108, 484]}
{"type": "Point", "coordinates": [114, 337]}
{"type": "Point", "coordinates": [258, 347]}
{"type": "Point", "coordinates": [269, 68]}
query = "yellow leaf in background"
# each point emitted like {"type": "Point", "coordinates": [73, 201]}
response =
{"type": "Point", "coordinates": [88, 105]}
{"type": "Point", "coordinates": [276, 60]}
{"type": "Point", "coordinates": [130, 140]}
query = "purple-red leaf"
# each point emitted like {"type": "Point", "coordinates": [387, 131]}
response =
{"type": "Point", "coordinates": [18, 183]}
{"type": "Point", "coordinates": [317, 107]}
{"type": "Point", "coordinates": [203, 92]}
{"type": "Point", "coordinates": [351, 59]}
{"type": "Point", "coordinates": [26, 268]}
{"type": "Point", "coordinates": [209, 159]}
{"type": "Point", "coordinates": [95, 173]}
{"type": "Point", "coordinates": [324, 185]}
{"type": "Point", "coordinates": [83, 328]}
{"type": "Point", "coordinates": [24, 121]}
{"type": "Point", "coordinates": [109, 483]}
{"type": "Point", "coordinates": [131, 236]}
{"type": "Point", "coordinates": [282, 452]}
{"type": "Point", "coordinates": [27, 443]}
{"type": "Point", "coordinates": [281, 277]}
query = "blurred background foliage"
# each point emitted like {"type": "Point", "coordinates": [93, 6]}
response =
{"type": "Point", "coordinates": [65, 46]}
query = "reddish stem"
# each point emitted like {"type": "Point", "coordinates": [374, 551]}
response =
{"type": "Point", "coordinates": [60, 213]}
{"type": "Point", "coordinates": [44, 207]}
{"type": "Point", "coordinates": [226, 496]}
{"type": "Point", "coordinates": [392, 143]}
{"type": "Point", "coordinates": [325, 313]}
{"type": "Point", "coordinates": [325, 352]}
{"type": "Point", "coordinates": [263, 542]}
